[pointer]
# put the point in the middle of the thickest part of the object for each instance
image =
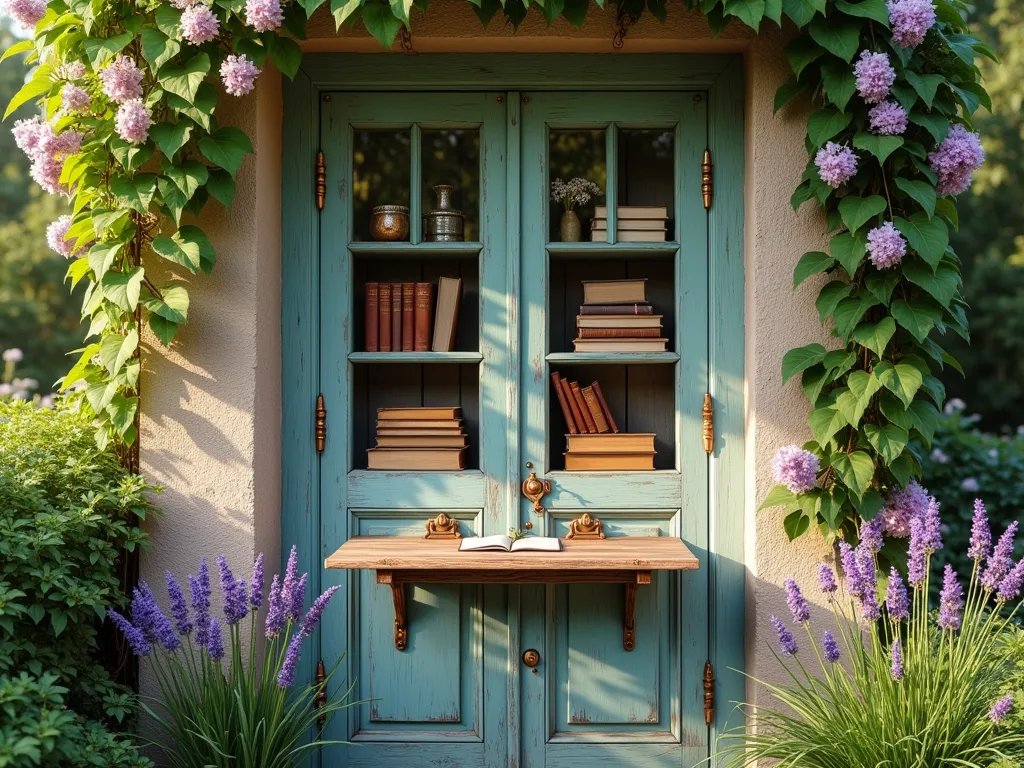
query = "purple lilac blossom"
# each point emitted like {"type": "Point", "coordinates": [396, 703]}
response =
{"type": "Point", "coordinates": [275, 610]}
{"type": "Point", "coordinates": [28, 134]}
{"type": "Point", "coordinates": [73, 70]}
{"type": "Point", "coordinates": [827, 579]}
{"type": "Point", "coordinates": [235, 598]}
{"type": "Point", "coordinates": [182, 4]}
{"type": "Point", "coordinates": [888, 118]}
{"type": "Point", "coordinates": [836, 164]}
{"type": "Point", "coordinates": [869, 609]}
{"type": "Point", "coordinates": [263, 15]}
{"type": "Point", "coordinates": [1001, 709]}
{"type": "Point", "coordinates": [1010, 586]}
{"type": "Point", "coordinates": [851, 571]}
{"type": "Point", "coordinates": [871, 533]}
{"type": "Point", "coordinates": [122, 80]}
{"type": "Point", "coordinates": [910, 21]}
{"type": "Point", "coordinates": [256, 587]}
{"type": "Point", "coordinates": [886, 246]}
{"type": "Point", "coordinates": [179, 609]}
{"type": "Point", "coordinates": [140, 646]}
{"type": "Point", "coordinates": [1000, 561]}
{"type": "Point", "coordinates": [797, 604]}
{"type": "Point", "coordinates": [316, 612]}
{"type": "Point", "coordinates": [875, 76]}
{"type": "Point", "coordinates": [981, 533]}
{"type": "Point", "coordinates": [199, 24]}
{"type": "Point", "coordinates": [896, 668]}
{"type": "Point", "coordinates": [902, 506]}
{"type": "Point", "coordinates": [917, 562]}
{"type": "Point", "coordinates": [26, 12]}
{"type": "Point", "coordinates": [56, 238]}
{"type": "Point", "coordinates": [951, 600]}
{"type": "Point", "coordinates": [132, 121]}
{"type": "Point", "coordinates": [74, 99]}
{"type": "Point", "coordinates": [956, 160]}
{"type": "Point", "coordinates": [830, 647]}
{"type": "Point", "coordinates": [795, 468]}
{"type": "Point", "coordinates": [238, 74]}
{"type": "Point", "coordinates": [47, 150]}
{"type": "Point", "coordinates": [787, 644]}
{"type": "Point", "coordinates": [200, 588]}
{"type": "Point", "coordinates": [286, 675]}
{"type": "Point", "coordinates": [896, 599]}
{"type": "Point", "coordinates": [932, 527]}
{"type": "Point", "coordinates": [215, 646]}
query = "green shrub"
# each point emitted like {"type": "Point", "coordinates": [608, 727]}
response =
{"type": "Point", "coordinates": [67, 512]}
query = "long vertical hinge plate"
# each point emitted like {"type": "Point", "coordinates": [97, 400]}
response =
{"type": "Point", "coordinates": [707, 179]}
{"type": "Point", "coordinates": [320, 181]}
{"type": "Point", "coordinates": [321, 694]}
{"type": "Point", "coordinates": [320, 421]}
{"type": "Point", "coordinates": [709, 693]}
{"type": "Point", "coordinates": [708, 425]}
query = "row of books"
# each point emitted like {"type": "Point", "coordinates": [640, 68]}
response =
{"type": "Point", "coordinates": [398, 316]}
{"type": "Point", "coordinates": [419, 438]}
{"type": "Point", "coordinates": [616, 317]}
{"type": "Point", "coordinates": [635, 224]}
{"type": "Point", "coordinates": [593, 441]}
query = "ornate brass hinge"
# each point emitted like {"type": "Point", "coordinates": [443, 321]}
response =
{"type": "Point", "coordinates": [707, 179]}
{"type": "Point", "coordinates": [708, 425]}
{"type": "Point", "coordinates": [709, 693]}
{"type": "Point", "coordinates": [320, 422]}
{"type": "Point", "coordinates": [321, 694]}
{"type": "Point", "coordinates": [320, 183]}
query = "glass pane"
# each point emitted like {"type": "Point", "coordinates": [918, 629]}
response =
{"type": "Point", "coordinates": [576, 158]}
{"type": "Point", "coordinates": [380, 176]}
{"type": "Point", "coordinates": [646, 166]}
{"type": "Point", "coordinates": [451, 158]}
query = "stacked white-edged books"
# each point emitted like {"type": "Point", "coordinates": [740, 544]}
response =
{"type": "Point", "coordinates": [635, 224]}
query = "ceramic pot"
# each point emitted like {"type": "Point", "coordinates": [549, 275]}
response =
{"type": "Point", "coordinates": [571, 230]}
{"type": "Point", "coordinates": [390, 223]}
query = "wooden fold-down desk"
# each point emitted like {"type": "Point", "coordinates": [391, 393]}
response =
{"type": "Point", "coordinates": [400, 560]}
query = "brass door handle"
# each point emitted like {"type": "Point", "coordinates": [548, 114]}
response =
{"type": "Point", "coordinates": [535, 489]}
{"type": "Point", "coordinates": [531, 658]}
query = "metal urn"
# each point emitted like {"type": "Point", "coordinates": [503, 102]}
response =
{"type": "Point", "coordinates": [444, 224]}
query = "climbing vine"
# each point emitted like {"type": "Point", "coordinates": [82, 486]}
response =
{"type": "Point", "coordinates": [128, 131]}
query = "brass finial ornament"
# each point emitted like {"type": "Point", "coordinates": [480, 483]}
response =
{"type": "Point", "coordinates": [320, 701]}
{"type": "Point", "coordinates": [709, 693]}
{"type": "Point", "coordinates": [707, 182]}
{"type": "Point", "coordinates": [442, 527]}
{"type": "Point", "coordinates": [320, 424]}
{"type": "Point", "coordinates": [708, 425]}
{"type": "Point", "coordinates": [321, 181]}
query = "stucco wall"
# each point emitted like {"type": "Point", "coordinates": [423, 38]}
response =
{"type": "Point", "coordinates": [211, 413]}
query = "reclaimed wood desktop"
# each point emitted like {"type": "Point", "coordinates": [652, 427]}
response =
{"type": "Point", "coordinates": [400, 560]}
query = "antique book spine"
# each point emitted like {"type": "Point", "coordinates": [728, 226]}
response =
{"type": "Point", "coordinates": [408, 316]}
{"type": "Point", "coordinates": [384, 317]}
{"type": "Point", "coordinates": [569, 423]}
{"type": "Point", "coordinates": [370, 316]}
{"type": "Point", "coordinates": [577, 417]}
{"type": "Point", "coordinates": [582, 405]}
{"type": "Point", "coordinates": [595, 410]}
{"type": "Point", "coordinates": [620, 333]}
{"type": "Point", "coordinates": [616, 309]}
{"type": "Point", "coordinates": [396, 317]}
{"type": "Point", "coordinates": [604, 406]}
{"type": "Point", "coordinates": [421, 322]}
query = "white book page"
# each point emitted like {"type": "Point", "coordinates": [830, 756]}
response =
{"type": "Point", "coordinates": [474, 543]}
{"type": "Point", "coordinates": [537, 543]}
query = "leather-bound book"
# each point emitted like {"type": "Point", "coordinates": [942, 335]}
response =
{"type": "Point", "coordinates": [408, 316]}
{"type": "Point", "coordinates": [556, 379]}
{"type": "Point", "coordinates": [422, 325]}
{"type": "Point", "coordinates": [370, 316]}
{"type": "Point", "coordinates": [604, 406]}
{"type": "Point", "coordinates": [446, 316]}
{"type": "Point", "coordinates": [384, 317]}
{"type": "Point", "coordinates": [396, 317]}
{"type": "Point", "coordinates": [616, 309]}
{"type": "Point", "coordinates": [582, 405]}
{"type": "Point", "coordinates": [620, 333]}
{"type": "Point", "coordinates": [595, 410]}
{"type": "Point", "coordinates": [577, 417]}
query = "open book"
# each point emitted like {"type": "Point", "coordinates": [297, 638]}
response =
{"type": "Point", "coordinates": [500, 542]}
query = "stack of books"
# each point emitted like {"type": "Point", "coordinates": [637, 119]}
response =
{"type": "Point", "coordinates": [593, 441]}
{"type": "Point", "coordinates": [616, 317]}
{"type": "Point", "coordinates": [635, 224]}
{"type": "Point", "coordinates": [419, 438]}
{"type": "Point", "coordinates": [398, 316]}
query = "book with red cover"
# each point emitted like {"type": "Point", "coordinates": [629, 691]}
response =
{"type": "Point", "coordinates": [600, 423]}
{"type": "Point", "coordinates": [370, 316]}
{"type": "Point", "coordinates": [577, 417]}
{"type": "Point", "coordinates": [384, 317]}
{"type": "Point", "coordinates": [616, 309]}
{"type": "Point", "coordinates": [604, 406]}
{"type": "Point", "coordinates": [422, 325]}
{"type": "Point", "coordinates": [396, 317]}
{"type": "Point", "coordinates": [408, 316]}
{"type": "Point", "coordinates": [563, 404]}
{"type": "Point", "coordinates": [577, 393]}
{"type": "Point", "coordinates": [620, 333]}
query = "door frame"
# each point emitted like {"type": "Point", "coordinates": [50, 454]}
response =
{"type": "Point", "coordinates": [721, 77]}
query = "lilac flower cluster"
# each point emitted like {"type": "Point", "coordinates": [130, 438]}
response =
{"type": "Point", "coordinates": [910, 21]}
{"type": "Point", "coordinates": [263, 15]}
{"type": "Point", "coordinates": [888, 118]}
{"type": "Point", "coordinates": [902, 506]}
{"type": "Point", "coordinates": [836, 164]}
{"type": "Point", "coordinates": [199, 24]}
{"type": "Point", "coordinates": [122, 80]}
{"type": "Point", "coordinates": [132, 121]}
{"type": "Point", "coordinates": [238, 74]}
{"type": "Point", "coordinates": [74, 99]}
{"type": "Point", "coordinates": [871, 534]}
{"type": "Point", "coordinates": [874, 76]}
{"type": "Point", "coordinates": [886, 246]}
{"type": "Point", "coordinates": [57, 238]}
{"type": "Point", "coordinates": [795, 468]}
{"type": "Point", "coordinates": [47, 150]}
{"type": "Point", "coordinates": [26, 12]}
{"type": "Point", "coordinates": [956, 160]}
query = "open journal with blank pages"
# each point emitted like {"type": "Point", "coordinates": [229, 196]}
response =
{"type": "Point", "coordinates": [505, 543]}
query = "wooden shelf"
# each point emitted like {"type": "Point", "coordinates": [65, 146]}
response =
{"type": "Point", "coordinates": [593, 250]}
{"type": "Point", "coordinates": [613, 358]}
{"type": "Point", "coordinates": [415, 357]}
{"type": "Point", "coordinates": [409, 250]}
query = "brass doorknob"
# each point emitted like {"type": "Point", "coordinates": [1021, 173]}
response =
{"type": "Point", "coordinates": [531, 658]}
{"type": "Point", "coordinates": [535, 489]}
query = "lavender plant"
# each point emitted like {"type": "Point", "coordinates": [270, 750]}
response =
{"type": "Point", "coordinates": [241, 712]}
{"type": "Point", "coordinates": [917, 688]}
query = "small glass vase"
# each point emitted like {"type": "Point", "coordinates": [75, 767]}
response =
{"type": "Point", "coordinates": [571, 229]}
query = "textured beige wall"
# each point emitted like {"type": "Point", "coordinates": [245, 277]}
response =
{"type": "Point", "coordinates": [220, 462]}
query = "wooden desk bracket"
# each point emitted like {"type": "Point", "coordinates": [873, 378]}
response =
{"type": "Point", "coordinates": [401, 621]}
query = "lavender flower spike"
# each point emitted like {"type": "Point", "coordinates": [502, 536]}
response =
{"type": "Point", "coordinates": [871, 534]}
{"type": "Point", "coordinates": [827, 579]}
{"type": "Point", "coordinates": [316, 612]}
{"type": "Point", "coordinates": [981, 533]}
{"type": "Point", "coordinates": [917, 565]}
{"type": "Point", "coordinates": [235, 597]}
{"type": "Point", "coordinates": [295, 601]}
{"type": "Point", "coordinates": [200, 588]}
{"type": "Point", "coordinates": [896, 599]}
{"type": "Point", "coordinates": [932, 527]}
{"type": "Point", "coordinates": [1000, 562]}
{"type": "Point", "coordinates": [787, 644]}
{"type": "Point", "coordinates": [1001, 709]}
{"type": "Point", "coordinates": [897, 661]}
{"type": "Point", "coordinates": [140, 646]}
{"type": "Point", "coordinates": [146, 614]}
{"type": "Point", "coordinates": [256, 587]}
{"type": "Point", "coordinates": [951, 600]}
{"type": "Point", "coordinates": [854, 585]}
{"type": "Point", "coordinates": [869, 609]}
{"type": "Point", "coordinates": [179, 609]}
{"type": "Point", "coordinates": [286, 675]}
{"type": "Point", "coordinates": [830, 647]}
{"type": "Point", "coordinates": [275, 611]}
{"type": "Point", "coordinates": [1010, 586]}
{"type": "Point", "coordinates": [215, 646]}
{"type": "Point", "coordinates": [797, 604]}
{"type": "Point", "coordinates": [291, 580]}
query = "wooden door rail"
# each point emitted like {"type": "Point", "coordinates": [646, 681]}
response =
{"type": "Point", "coordinates": [401, 560]}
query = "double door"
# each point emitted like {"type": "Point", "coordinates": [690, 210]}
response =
{"type": "Point", "coordinates": [461, 692]}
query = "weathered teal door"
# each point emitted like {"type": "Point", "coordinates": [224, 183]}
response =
{"type": "Point", "coordinates": [460, 694]}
